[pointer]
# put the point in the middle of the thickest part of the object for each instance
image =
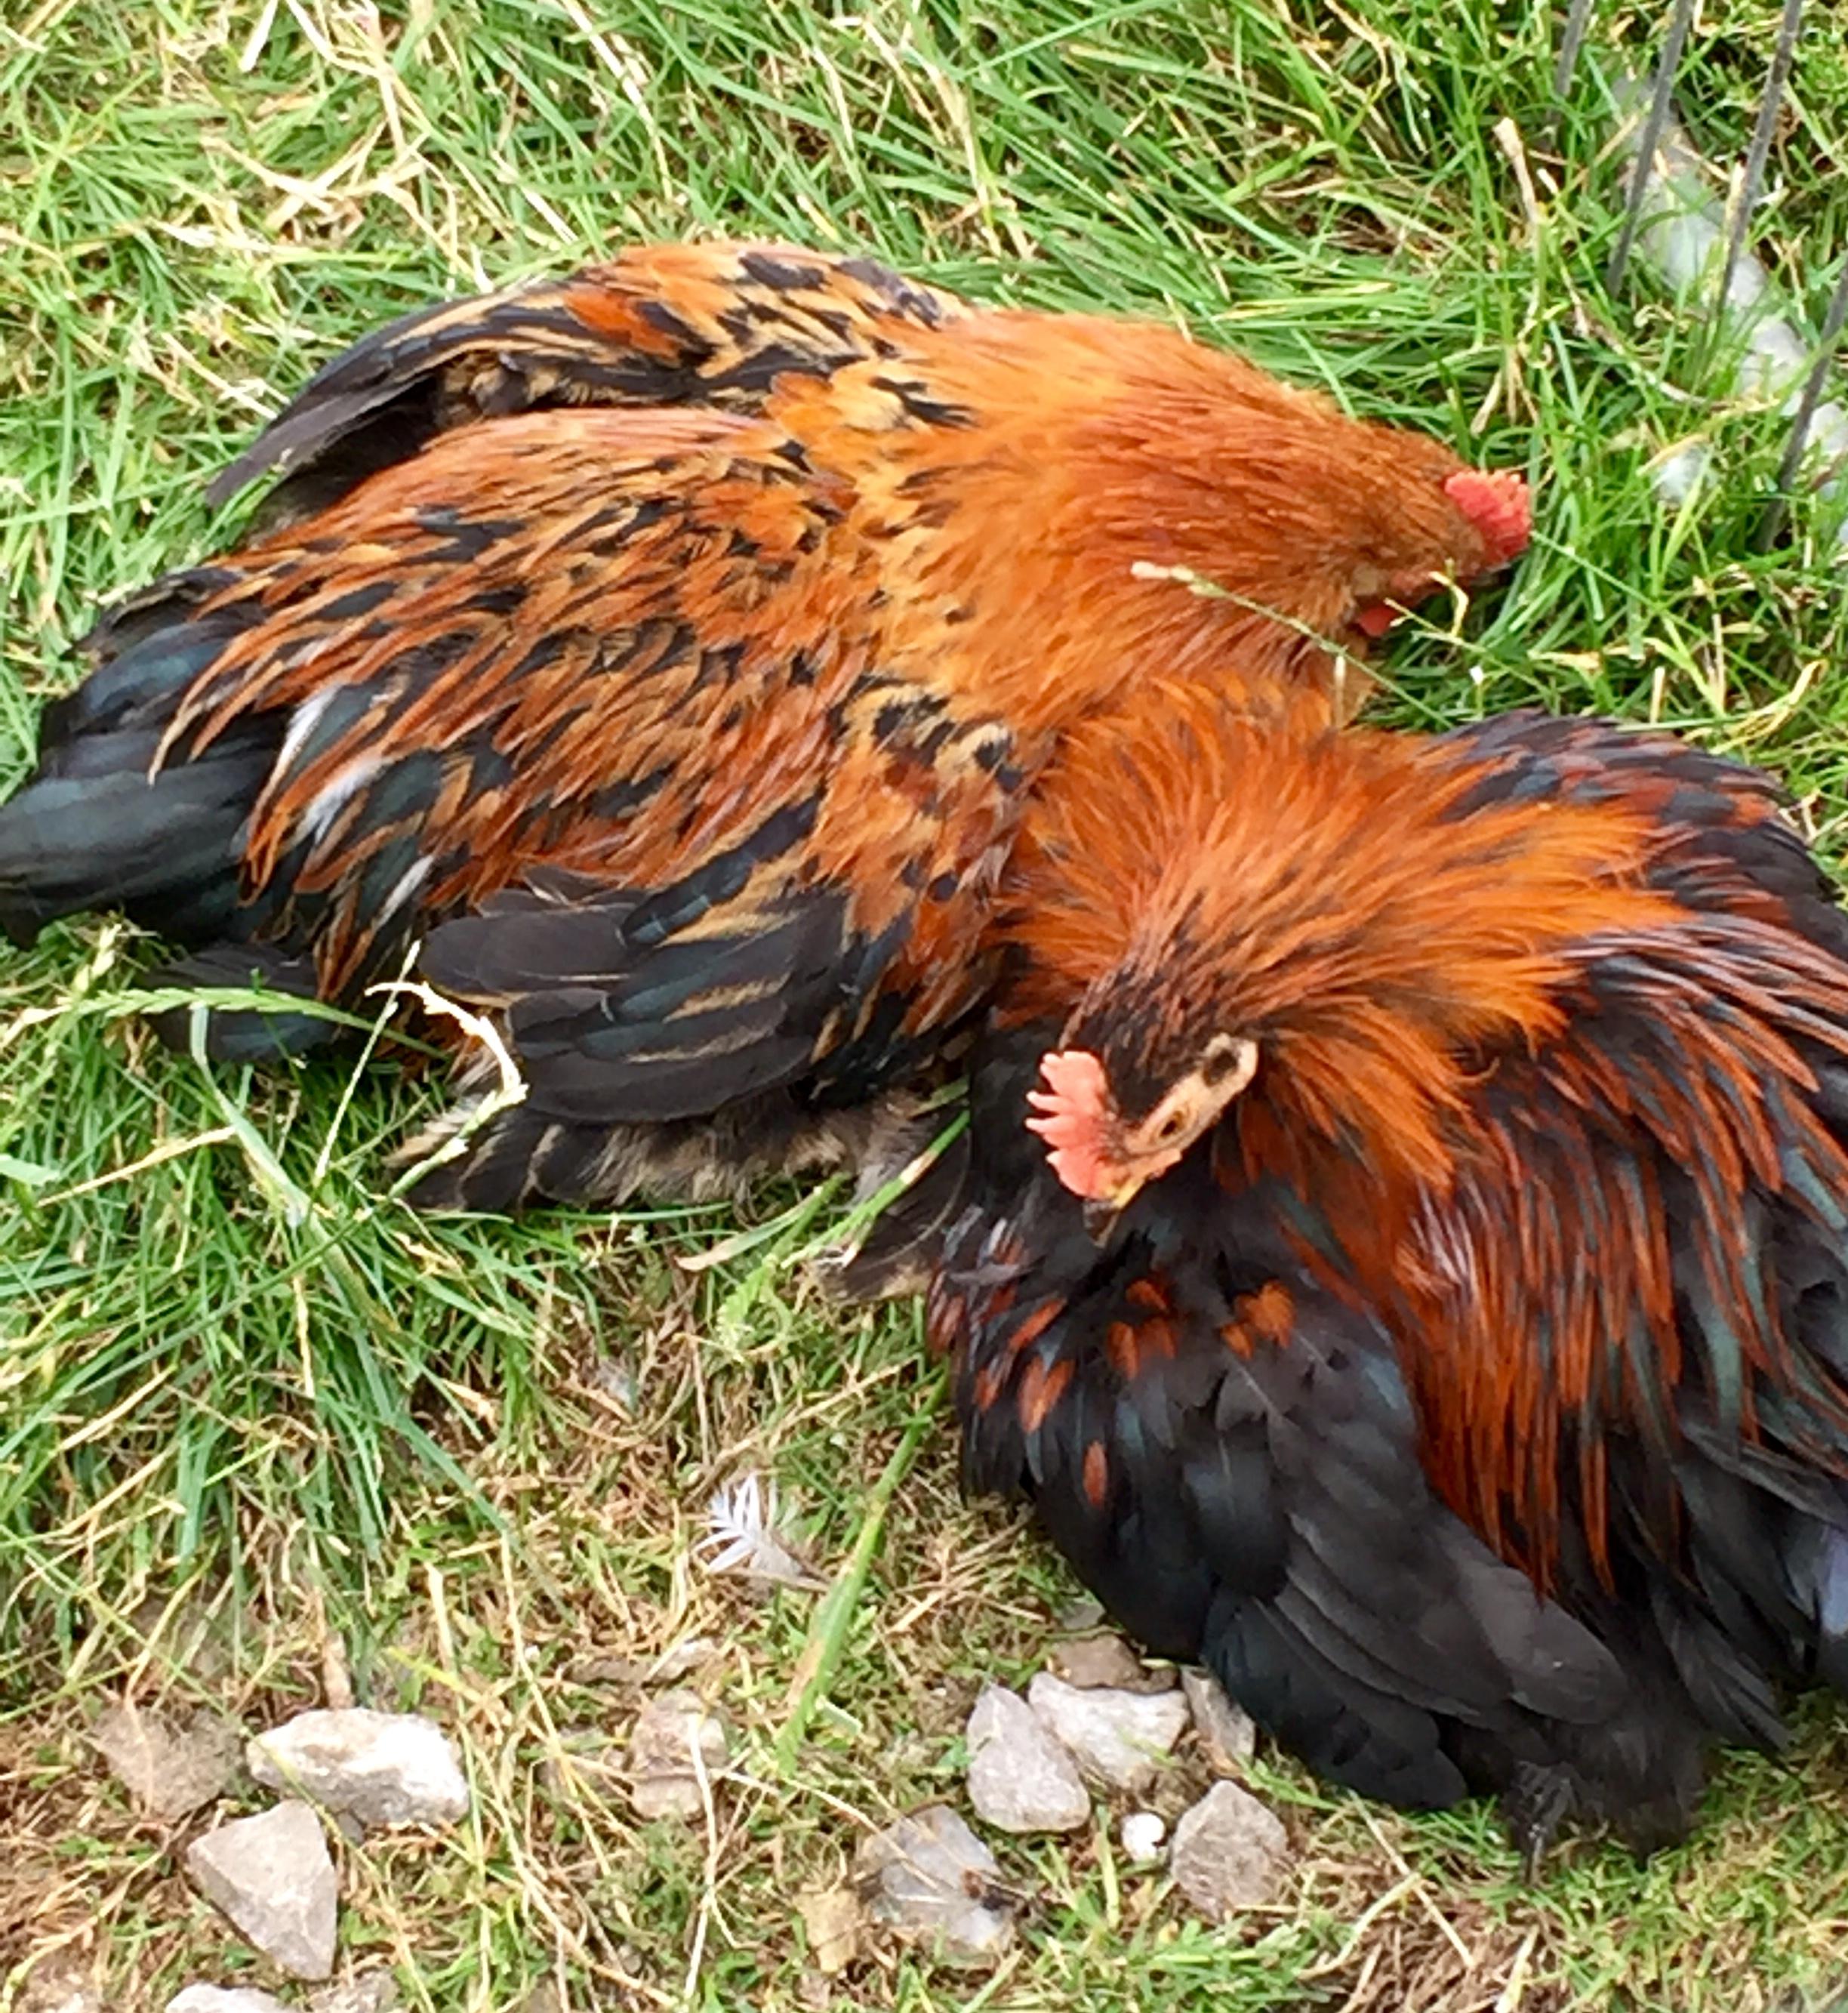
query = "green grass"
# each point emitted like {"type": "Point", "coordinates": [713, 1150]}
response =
{"type": "Point", "coordinates": [250, 1410]}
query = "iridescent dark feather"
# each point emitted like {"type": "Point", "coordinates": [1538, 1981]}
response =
{"type": "Point", "coordinates": [670, 650]}
{"type": "Point", "coordinates": [1522, 1263]}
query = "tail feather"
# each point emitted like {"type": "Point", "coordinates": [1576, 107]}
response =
{"type": "Point", "coordinates": [101, 834]}
{"type": "Point", "coordinates": [111, 818]}
{"type": "Point", "coordinates": [138, 689]}
{"type": "Point", "coordinates": [1819, 1568]}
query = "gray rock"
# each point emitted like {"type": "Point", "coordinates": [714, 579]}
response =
{"type": "Point", "coordinates": [1094, 1662]}
{"type": "Point", "coordinates": [664, 1779]}
{"type": "Point", "coordinates": [374, 1991]}
{"type": "Point", "coordinates": [1227, 1737]}
{"type": "Point", "coordinates": [170, 1768]}
{"type": "Point", "coordinates": [380, 1768]}
{"type": "Point", "coordinates": [678, 1658]}
{"type": "Point", "coordinates": [1118, 1737]}
{"type": "Point", "coordinates": [598, 1669]}
{"type": "Point", "coordinates": [675, 1662]}
{"type": "Point", "coordinates": [1021, 1779]}
{"type": "Point", "coordinates": [929, 1878]}
{"type": "Point", "coordinates": [272, 1876]}
{"type": "Point", "coordinates": [1228, 1853]}
{"type": "Point", "coordinates": [225, 1999]}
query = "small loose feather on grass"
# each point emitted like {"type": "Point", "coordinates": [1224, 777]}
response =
{"type": "Point", "coordinates": [750, 1537]}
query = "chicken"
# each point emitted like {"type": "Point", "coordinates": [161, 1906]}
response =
{"type": "Point", "coordinates": [671, 650]}
{"type": "Point", "coordinates": [1403, 1248]}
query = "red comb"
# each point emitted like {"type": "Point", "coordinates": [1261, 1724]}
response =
{"type": "Point", "coordinates": [1495, 500]}
{"type": "Point", "coordinates": [1070, 1117]}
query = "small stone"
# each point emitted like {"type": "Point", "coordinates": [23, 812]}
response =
{"type": "Point", "coordinates": [1119, 1737]}
{"type": "Point", "coordinates": [1096, 1663]}
{"type": "Point", "coordinates": [602, 1670]}
{"type": "Point", "coordinates": [1021, 1779]}
{"type": "Point", "coordinates": [543, 1998]}
{"type": "Point", "coordinates": [170, 1769]}
{"type": "Point", "coordinates": [373, 1991]}
{"type": "Point", "coordinates": [337, 1673]}
{"type": "Point", "coordinates": [930, 1878]}
{"type": "Point", "coordinates": [664, 1779]}
{"type": "Point", "coordinates": [225, 1999]}
{"type": "Point", "coordinates": [1078, 1614]}
{"type": "Point", "coordinates": [380, 1768]}
{"type": "Point", "coordinates": [833, 1921]}
{"type": "Point", "coordinates": [1142, 1833]}
{"type": "Point", "coordinates": [1228, 1853]}
{"type": "Point", "coordinates": [272, 1876]}
{"type": "Point", "coordinates": [678, 1658]}
{"type": "Point", "coordinates": [1227, 1737]}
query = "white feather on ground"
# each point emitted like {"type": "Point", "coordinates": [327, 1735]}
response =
{"type": "Point", "coordinates": [748, 1538]}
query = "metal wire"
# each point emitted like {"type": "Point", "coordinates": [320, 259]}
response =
{"type": "Point", "coordinates": [1804, 417]}
{"type": "Point", "coordinates": [1737, 227]}
{"type": "Point", "coordinates": [1679, 23]}
{"type": "Point", "coordinates": [1577, 22]}
{"type": "Point", "coordinates": [1777, 81]}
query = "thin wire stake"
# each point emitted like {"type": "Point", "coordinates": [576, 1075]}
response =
{"type": "Point", "coordinates": [1777, 79]}
{"type": "Point", "coordinates": [1573, 41]}
{"type": "Point", "coordinates": [1682, 20]}
{"type": "Point", "coordinates": [1832, 324]}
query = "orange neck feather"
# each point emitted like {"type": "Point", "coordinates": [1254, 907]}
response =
{"type": "Point", "coordinates": [1150, 501]}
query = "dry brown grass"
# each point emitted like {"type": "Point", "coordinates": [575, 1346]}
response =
{"type": "Point", "coordinates": [533, 1643]}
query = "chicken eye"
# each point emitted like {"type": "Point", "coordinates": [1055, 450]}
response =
{"type": "Point", "coordinates": [1221, 1059]}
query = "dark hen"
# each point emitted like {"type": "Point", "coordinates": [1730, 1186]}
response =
{"type": "Point", "coordinates": [1403, 1249]}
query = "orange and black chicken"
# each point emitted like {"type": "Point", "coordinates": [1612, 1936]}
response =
{"type": "Point", "coordinates": [670, 650]}
{"type": "Point", "coordinates": [1403, 1249]}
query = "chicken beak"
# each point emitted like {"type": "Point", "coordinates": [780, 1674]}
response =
{"type": "Point", "coordinates": [1101, 1212]}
